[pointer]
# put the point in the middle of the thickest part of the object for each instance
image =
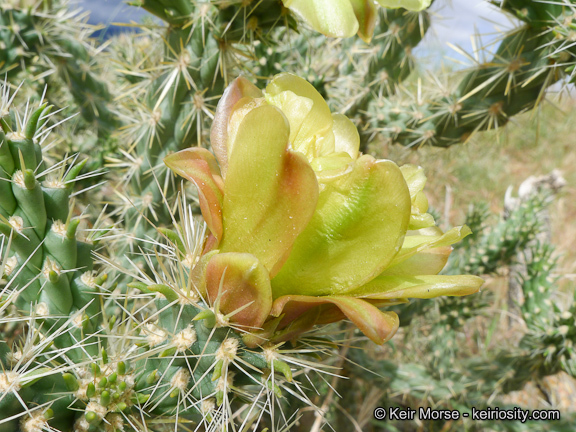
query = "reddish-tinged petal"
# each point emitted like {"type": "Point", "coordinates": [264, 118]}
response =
{"type": "Point", "coordinates": [294, 306]}
{"type": "Point", "coordinates": [238, 89]}
{"type": "Point", "coordinates": [200, 167]}
{"type": "Point", "coordinates": [210, 244]}
{"type": "Point", "coordinates": [198, 273]}
{"type": "Point", "coordinates": [365, 11]}
{"type": "Point", "coordinates": [240, 286]}
{"type": "Point", "coordinates": [270, 192]}
{"type": "Point", "coordinates": [330, 314]}
{"type": "Point", "coordinates": [379, 326]}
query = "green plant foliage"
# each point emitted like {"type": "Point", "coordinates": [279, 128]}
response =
{"type": "Point", "coordinates": [112, 316]}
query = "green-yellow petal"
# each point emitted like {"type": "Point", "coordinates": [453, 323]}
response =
{"type": "Point", "coordinates": [242, 107]}
{"type": "Point", "coordinates": [419, 221]}
{"type": "Point", "coordinates": [412, 5]}
{"type": "Point", "coordinates": [427, 239]}
{"type": "Point", "coordinates": [415, 178]}
{"type": "Point", "coordinates": [365, 11]}
{"type": "Point", "coordinates": [416, 181]}
{"type": "Point", "coordinates": [346, 136]}
{"type": "Point", "coordinates": [270, 193]}
{"type": "Point", "coordinates": [314, 135]}
{"type": "Point", "coordinates": [295, 108]}
{"type": "Point", "coordinates": [424, 287]}
{"type": "Point", "coordinates": [333, 18]}
{"type": "Point", "coordinates": [427, 262]}
{"type": "Point", "coordinates": [357, 229]}
{"type": "Point", "coordinates": [199, 166]}
{"type": "Point", "coordinates": [239, 88]}
{"type": "Point", "coordinates": [328, 167]}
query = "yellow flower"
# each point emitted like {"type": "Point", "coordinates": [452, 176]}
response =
{"type": "Point", "coordinates": [345, 18]}
{"type": "Point", "coordinates": [305, 230]}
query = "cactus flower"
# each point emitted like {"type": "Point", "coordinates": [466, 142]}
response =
{"type": "Point", "coordinates": [345, 18]}
{"type": "Point", "coordinates": [304, 229]}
